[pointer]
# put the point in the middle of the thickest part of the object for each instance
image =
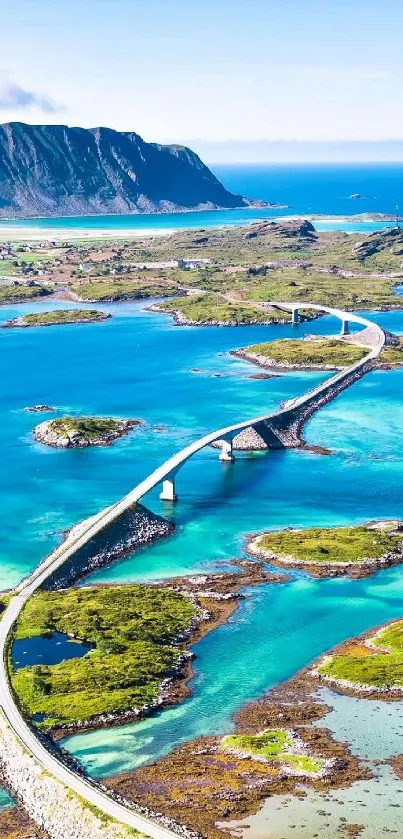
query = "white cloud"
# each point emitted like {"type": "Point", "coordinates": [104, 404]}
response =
{"type": "Point", "coordinates": [14, 97]}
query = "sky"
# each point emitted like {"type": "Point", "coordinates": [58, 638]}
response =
{"type": "Point", "coordinates": [235, 79]}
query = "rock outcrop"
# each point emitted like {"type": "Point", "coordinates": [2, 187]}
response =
{"type": "Point", "coordinates": [134, 529]}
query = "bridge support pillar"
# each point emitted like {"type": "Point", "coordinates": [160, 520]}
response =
{"type": "Point", "coordinates": [295, 316]}
{"type": "Point", "coordinates": [226, 454]}
{"type": "Point", "coordinates": [345, 329]}
{"type": "Point", "coordinates": [168, 490]}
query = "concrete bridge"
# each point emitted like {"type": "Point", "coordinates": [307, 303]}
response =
{"type": "Point", "coordinates": [277, 428]}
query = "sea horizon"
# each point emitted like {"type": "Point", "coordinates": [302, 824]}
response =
{"type": "Point", "coordinates": [321, 192]}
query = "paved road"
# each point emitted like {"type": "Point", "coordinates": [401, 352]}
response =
{"type": "Point", "coordinates": [89, 528]}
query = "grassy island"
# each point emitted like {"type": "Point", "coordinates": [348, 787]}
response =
{"type": "Point", "coordinates": [82, 431]}
{"type": "Point", "coordinates": [327, 353]}
{"type": "Point", "coordinates": [97, 292]}
{"type": "Point", "coordinates": [273, 744]}
{"type": "Point", "coordinates": [374, 662]}
{"type": "Point", "coordinates": [135, 632]}
{"type": "Point", "coordinates": [355, 550]}
{"type": "Point", "coordinates": [213, 309]}
{"type": "Point", "coordinates": [59, 316]}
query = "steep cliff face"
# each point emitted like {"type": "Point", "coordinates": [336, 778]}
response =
{"type": "Point", "coordinates": [56, 170]}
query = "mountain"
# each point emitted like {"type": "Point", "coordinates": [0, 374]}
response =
{"type": "Point", "coordinates": [48, 170]}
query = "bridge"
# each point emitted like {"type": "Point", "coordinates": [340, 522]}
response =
{"type": "Point", "coordinates": [279, 428]}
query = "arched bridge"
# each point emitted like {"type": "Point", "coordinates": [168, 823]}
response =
{"type": "Point", "coordinates": [277, 428]}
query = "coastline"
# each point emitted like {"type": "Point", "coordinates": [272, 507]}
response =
{"type": "Point", "coordinates": [356, 569]}
{"type": "Point", "coordinates": [215, 597]}
{"type": "Point", "coordinates": [26, 230]}
{"type": "Point", "coordinates": [225, 786]}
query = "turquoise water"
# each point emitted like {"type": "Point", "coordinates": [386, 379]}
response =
{"type": "Point", "coordinates": [6, 801]}
{"type": "Point", "coordinates": [323, 189]}
{"type": "Point", "coordinates": [139, 364]}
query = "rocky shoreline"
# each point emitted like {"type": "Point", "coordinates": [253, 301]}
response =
{"type": "Point", "coordinates": [15, 822]}
{"type": "Point", "coordinates": [216, 597]}
{"type": "Point", "coordinates": [203, 787]}
{"type": "Point", "coordinates": [356, 569]}
{"type": "Point", "coordinates": [134, 529]}
{"type": "Point", "coordinates": [276, 367]}
{"type": "Point", "coordinates": [361, 645]}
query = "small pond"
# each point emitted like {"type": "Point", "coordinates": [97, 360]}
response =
{"type": "Point", "coordinates": [46, 649]}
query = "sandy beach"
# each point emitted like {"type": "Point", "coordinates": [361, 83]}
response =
{"type": "Point", "coordinates": [67, 234]}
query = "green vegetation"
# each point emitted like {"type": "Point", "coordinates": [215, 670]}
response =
{"type": "Point", "coordinates": [133, 629]}
{"type": "Point", "coordinates": [96, 292]}
{"type": "Point", "coordinates": [272, 242]}
{"type": "Point", "coordinates": [4, 601]}
{"type": "Point", "coordinates": [309, 352]}
{"type": "Point", "coordinates": [214, 308]}
{"type": "Point", "coordinates": [61, 316]}
{"type": "Point", "coordinates": [21, 293]}
{"type": "Point", "coordinates": [366, 666]}
{"type": "Point", "coordinates": [361, 292]}
{"type": "Point", "coordinates": [272, 744]}
{"type": "Point", "coordinates": [331, 545]}
{"type": "Point", "coordinates": [393, 355]}
{"type": "Point", "coordinates": [88, 429]}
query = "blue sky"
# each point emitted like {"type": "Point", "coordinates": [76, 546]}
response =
{"type": "Point", "coordinates": [217, 74]}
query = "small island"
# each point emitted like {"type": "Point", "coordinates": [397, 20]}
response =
{"type": "Point", "coordinates": [39, 409]}
{"type": "Point", "coordinates": [79, 432]}
{"type": "Point", "coordinates": [58, 316]}
{"type": "Point", "coordinates": [316, 353]}
{"type": "Point", "coordinates": [275, 745]}
{"type": "Point", "coordinates": [356, 551]}
{"type": "Point", "coordinates": [309, 353]}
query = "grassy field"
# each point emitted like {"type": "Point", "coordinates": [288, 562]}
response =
{"type": "Point", "coordinates": [133, 628]}
{"type": "Point", "coordinates": [93, 292]}
{"type": "Point", "coordinates": [270, 242]}
{"type": "Point", "coordinates": [260, 262]}
{"type": "Point", "coordinates": [274, 744]}
{"type": "Point", "coordinates": [330, 545]}
{"type": "Point", "coordinates": [309, 352]}
{"type": "Point", "coordinates": [22, 293]}
{"type": "Point", "coordinates": [364, 666]}
{"type": "Point", "coordinates": [211, 308]}
{"type": "Point", "coordinates": [61, 316]}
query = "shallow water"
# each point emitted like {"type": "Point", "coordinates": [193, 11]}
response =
{"type": "Point", "coordinates": [375, 805]}
{"type": "Point", "coordinates": [374, 729]}
{"type": "Point", "coordinates": [138, 364]}
{"type": "Point", "coordinates": [6, 801]}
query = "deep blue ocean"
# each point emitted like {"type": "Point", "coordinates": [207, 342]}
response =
{"type": "Point", "coordinates": [306, 189]}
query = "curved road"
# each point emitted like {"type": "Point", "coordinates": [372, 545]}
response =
{"type": "Point", "coordinates": [86, 530]}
